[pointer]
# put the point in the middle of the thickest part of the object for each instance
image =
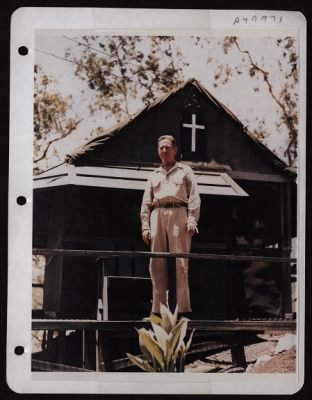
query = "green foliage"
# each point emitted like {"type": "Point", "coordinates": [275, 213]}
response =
{"type": "Point", "coordinates": [284, 96]}
{"type": "Point", "coordinates": [123, 72]}
{"type": "Point", "coordinates": [122, 69]}
{"type": "Point", "coordinates": [51, 114]}
{"type": "Point", "coordinates": [163, 348]}
{"type": "Point", "coordinates": [286, 99]}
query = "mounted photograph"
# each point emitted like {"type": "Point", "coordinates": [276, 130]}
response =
{"type": "Point", "coordinates": [163, 187]}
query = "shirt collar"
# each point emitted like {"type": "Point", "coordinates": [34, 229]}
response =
{"type": "Point", "coordinates": [176, 165]}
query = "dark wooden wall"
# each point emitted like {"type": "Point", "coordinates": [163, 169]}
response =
{"type": "Point", "coordinates": [108, 219]}
{"type": "Point", "coordinates": [224, 141]}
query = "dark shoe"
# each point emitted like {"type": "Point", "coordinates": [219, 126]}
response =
{"type": "Point", "coordinates": [186, 315]}
{"type": "Point", "coordinates": [157, 314]}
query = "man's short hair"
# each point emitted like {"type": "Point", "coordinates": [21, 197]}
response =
{"type": "Point", "coordinates": [168, 137]}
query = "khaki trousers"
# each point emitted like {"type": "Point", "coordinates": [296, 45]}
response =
{"type": "Point", "coordinates": [169, 233]}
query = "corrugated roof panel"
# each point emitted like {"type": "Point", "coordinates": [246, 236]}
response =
{"type": "Point", "coordinates": [211, 183]}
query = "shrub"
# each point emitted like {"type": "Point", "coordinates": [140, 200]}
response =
{"type": "Point", "coordinates": [163, 348]}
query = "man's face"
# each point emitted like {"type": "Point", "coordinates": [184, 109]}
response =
{"type": "Point", "coordinates": [167, 152]}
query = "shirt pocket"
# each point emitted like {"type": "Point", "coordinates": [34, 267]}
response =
{"type": "Point", "coordinates": [179, 187]}
{"type": "Point", "coordinates": [178, 180]}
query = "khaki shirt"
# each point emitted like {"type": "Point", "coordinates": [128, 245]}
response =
{"type": "Point", "coordinates": [177, 185]}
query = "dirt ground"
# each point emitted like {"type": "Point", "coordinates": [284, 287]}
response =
{"type": "Point", "coordinates": [261, 357]}
{"type": "Point", "coordinates": [280, 363]}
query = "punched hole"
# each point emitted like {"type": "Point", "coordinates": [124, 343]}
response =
{"type": "Point", "coordinates": [21, 200]}
{"type": "Point", "coordinates": [23, 51]}
{"type": "Point", "coordinates": [19, 350]}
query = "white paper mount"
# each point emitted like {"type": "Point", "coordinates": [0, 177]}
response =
{"type": "Point", "coordinates": [27, 25]}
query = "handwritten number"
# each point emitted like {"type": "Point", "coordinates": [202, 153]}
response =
{"type": "Point", "coordinates": [255, 19]}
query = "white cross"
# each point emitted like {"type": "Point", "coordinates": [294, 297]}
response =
{"type": "Point", "coordinates": [194, 126]}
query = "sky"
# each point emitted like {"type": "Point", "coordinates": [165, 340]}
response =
{"type": "Point", "coordinates": [248, 98]}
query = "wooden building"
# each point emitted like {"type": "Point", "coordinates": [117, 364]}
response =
{"type": "Point", "coordinates": [93, 201]}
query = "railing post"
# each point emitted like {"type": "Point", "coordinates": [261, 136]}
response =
{"type": "Point", "coordinates": [102, 315]}
{"type": "Point", "coordinates": [238, 352]}
{"type": "Point", "coordinates": [99, 313]}
{"type": "Point", "coordinates": [83, 361]}
{"type": "Point", "coordinates": [100, 289]}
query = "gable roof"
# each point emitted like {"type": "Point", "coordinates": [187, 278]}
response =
{"type": "Point", "coordinates": [113, 131]}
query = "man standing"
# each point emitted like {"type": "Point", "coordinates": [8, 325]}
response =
{"type": "Point", "coordinates": [169, 214]}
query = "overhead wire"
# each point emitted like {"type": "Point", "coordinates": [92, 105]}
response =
{"type": "Point", "coordinates": [79, 64]}
{"type": "Point", "coordinates": [105, 53]}
{"type": "Point", "coordinates": [97, 50]}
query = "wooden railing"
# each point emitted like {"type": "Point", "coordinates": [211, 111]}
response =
{"type": "Point", "coordinates": [147, 254]}
{"type": "Point", "coordinates": [235, 328]}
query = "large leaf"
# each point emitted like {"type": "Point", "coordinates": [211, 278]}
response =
{"type": "Point", "coordinates": [188, 344]}
{"type": "Point", "coordinates": [143, 348]}
{"type": "Point", "coordinates": [175, 315]}
{"type": "Point", "coordinates": [161, 337]}
{"type": "Point", "coordinates": [174, 340]}
{"type": "Point", "coordinates": [183, 331]}
{"type": "Point", "coordinates": [143, 364]}
{"type": "Point", "coordinates": [150, 347]}
{"type": "Point", "coordinates": [154, 319]}
{"type": "Point", "coordinates": [167, 321]}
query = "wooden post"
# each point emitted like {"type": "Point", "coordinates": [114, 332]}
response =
{"type": "Point", "coordinates": [238, 352]}
{"type": "Point", "coordinates": [83, 360]}
{"type": "Point", "coordinates": [231, 304]}
{"type": "Point", "coordinates": [238, 355]}
{"type": "Point", "coordinates": [172, 295]}
{"type": "Point", "coordinates": [61, 346]}
{"type": "Point", "coordinates": [102, 347]}
{"type": "Point", "coordinates": [100, 312]}
{"type": "Point", "coordinates": [286, 247]}
{"type": "Point", "coordinates": [50, 345]}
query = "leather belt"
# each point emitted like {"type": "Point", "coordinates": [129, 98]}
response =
{"type": "Point", "coordinates": [169, 205]}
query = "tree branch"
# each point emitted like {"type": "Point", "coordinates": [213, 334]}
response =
{"type": "Point", "coordinates": [286, 118]}
{"type": "Point", "coordinates": [69, 131]}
